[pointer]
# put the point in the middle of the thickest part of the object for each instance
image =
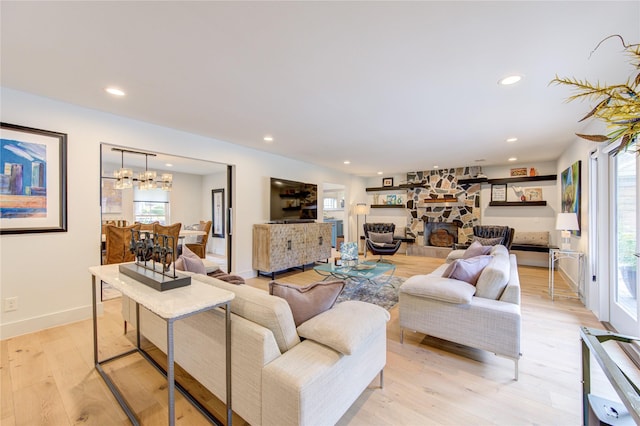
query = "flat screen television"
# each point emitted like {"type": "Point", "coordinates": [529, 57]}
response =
{"type": "Point", "coordinates": [293, 201]}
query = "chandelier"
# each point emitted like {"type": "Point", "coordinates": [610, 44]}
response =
{"type": "Point", "coordinates": [145, 180]}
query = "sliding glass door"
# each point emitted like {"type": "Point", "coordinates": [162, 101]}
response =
{"type": "Point", "coordinates": [624, 306]}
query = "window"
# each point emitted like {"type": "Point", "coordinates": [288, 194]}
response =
{"type": "Point", "coordinates": [333, 200]}
{"type": "Point", "coordinates": [151, 205]}
{"type": "Point", "coordinates": [330, 203]}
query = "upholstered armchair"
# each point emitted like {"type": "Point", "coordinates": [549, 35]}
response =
{"type": "Point", "coordinates": [200, 247]}
{"type": "Point", "coordinates": [379, 239]}
{"type": "Point", "coordinates": [492, 231]}
{"type": "Point", "coordinates": [172, 230]}
{"type": "Point", "coordinates": [118, 242]}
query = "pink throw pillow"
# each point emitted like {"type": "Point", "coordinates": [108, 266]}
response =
{"type": "Point", "coordinates": [191, 262]}
{"type": "Point", "coordinates": [467, 270]}
{"type": "Point", "coordinates": [476, 249]}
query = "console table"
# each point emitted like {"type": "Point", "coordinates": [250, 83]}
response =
{"type": "Point", "coordinates": [556, 254]}
{"type": "Point", "coordinates": [170, 305]}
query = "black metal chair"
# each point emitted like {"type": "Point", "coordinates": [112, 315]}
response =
{"type": "Point", "coordinates": [378, 247]}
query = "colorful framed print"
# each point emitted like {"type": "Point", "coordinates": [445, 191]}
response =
{"type": "Point", "coordinates": [570, 187]}
{"type": "Point", "coordinates": [33, 180]}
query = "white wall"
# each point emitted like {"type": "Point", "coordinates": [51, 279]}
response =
{"type": "Point", "coordinates": [214, 181]}
{"type": "Point", "coordinates": [580, 151]}
{"type": "Point", "coordinates": [49, 272]}
{"type": "Point", "coordinates": [524, 219]}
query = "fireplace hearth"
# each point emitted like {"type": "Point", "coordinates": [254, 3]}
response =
{"type": "Point", "coordinates": [441, 234]}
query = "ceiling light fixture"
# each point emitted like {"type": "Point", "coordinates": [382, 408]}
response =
{"type": "Point", "coordinates": [146, 180]}
{"type": "Point", "coordinates": [512, 139]}
{"type": "Point", "coordinates": [436, 167]}
{"type": "Point", "coordinates": [379, 173]}
{"type": "Point", "coordinates": [513, 159]}
{"type": "Point", "coordinates": [508, 80]}
{"type": "Point", "coordinates": [268, 138]}
{"type": "Point", "coordinates": [347, 162]}
{"type": "Point", "coordinates": [115, 91]}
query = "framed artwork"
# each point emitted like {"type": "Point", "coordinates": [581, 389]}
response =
{"type": "Point", "coordinates": [499, 192]}
{"type": "Point", "coordinates": [570, 192]}
{"type": "Point", "coordinates": [387, 181]}
{"type": "Point", "coordinates": [217, 213]}
{"type": "Point", "coordinates": [111, 198]}
{"type": "Point", "coordinates": [391, 199]}
{"type": "Point", "coordinates": [533, 194]}
{"type": "Point", "coordinates": [33, 180]}
{"type": "Point", "coordinates": [519, 171]}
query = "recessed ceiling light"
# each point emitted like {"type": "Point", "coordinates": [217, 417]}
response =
{"type": "Point", "coordinates": [510, 79]}
{"type": "Point", "coordinates": [115, 91]}
{"type": "Point", "coordinates": [479, 160]}
{"type": "Point", "coordinates": [436, 167]}
{"type": "Point", "coordinates": [168, 164]}
{"type": "Point", "coordinates": [347, 162]}
{"type": "Point", "coordinates": [268, 138]}
{"type": "Point", "coordinates": [379, 173]}
{"type": "Point", "coordinates": [513, 159]}
{"type": "Point", "coordinates": [512, 139]}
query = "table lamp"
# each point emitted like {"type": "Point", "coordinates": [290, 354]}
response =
{"type": "Point", "coordinates": [566, 222]}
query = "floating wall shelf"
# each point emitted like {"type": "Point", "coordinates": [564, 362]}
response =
{"type": "Point", "coordinates": [517, 203]}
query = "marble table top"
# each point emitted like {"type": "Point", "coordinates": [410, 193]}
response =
{"type": "Point", "coordinates": [169, 304]}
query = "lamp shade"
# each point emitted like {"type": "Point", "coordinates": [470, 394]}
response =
{"type": "Point", "coordinates": [567, 222]}
{"type": "Point", "coordinates": [362, 208]}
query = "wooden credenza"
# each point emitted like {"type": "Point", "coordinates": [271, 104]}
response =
{"type": "Point", "coordinates": [280, 246]}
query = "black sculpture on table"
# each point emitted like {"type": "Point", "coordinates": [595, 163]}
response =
{"type": "Point", "coordinates": [154, 247]}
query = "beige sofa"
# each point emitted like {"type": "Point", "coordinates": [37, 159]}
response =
{"type": "Point", "coordinates": [277, 377]}
{"type": "Point", "coordinates": [485, 316]}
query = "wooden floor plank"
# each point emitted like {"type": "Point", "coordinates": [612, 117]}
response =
{"type": "Point", "coordinates": [427, 381]}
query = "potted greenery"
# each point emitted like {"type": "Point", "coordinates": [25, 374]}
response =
{"type": "Point", "coordinates": [618, 105]}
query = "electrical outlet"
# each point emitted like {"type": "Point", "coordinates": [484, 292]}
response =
{"type": "Point", "coordinates": [10, 304]}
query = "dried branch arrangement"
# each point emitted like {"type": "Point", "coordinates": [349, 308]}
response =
{"type": "Point", "coordinates": [618, 105]}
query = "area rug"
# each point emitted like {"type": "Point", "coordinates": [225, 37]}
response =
{"type": "Point", "coordinates": [379, 291]}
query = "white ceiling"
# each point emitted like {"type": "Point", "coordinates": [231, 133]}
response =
{"type": "Point", "coordinates": [390, 86]}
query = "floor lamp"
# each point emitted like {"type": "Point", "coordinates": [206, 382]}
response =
{"type": "Point", "coordinates": [361, 208]}
{"type": "Point", "coordinates": [566, 222]}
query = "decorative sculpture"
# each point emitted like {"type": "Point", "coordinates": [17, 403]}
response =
{"type": "Point", "coordinates": [154, 247]}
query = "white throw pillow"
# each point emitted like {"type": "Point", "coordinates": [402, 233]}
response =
{"type": "Point", "coordinates": [346, 326]}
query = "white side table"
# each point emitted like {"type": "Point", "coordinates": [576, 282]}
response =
{"type": "Point", "coordinates": [556, 254]}
{"type": "Point", "coordinates": [170, 305]}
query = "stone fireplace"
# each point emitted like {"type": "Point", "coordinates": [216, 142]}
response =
{"type": "Point", "coordinates": [443, 206]}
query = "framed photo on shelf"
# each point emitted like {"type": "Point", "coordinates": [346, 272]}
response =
{"type": "Point", "coordinates": [33, 180]}
{"type": "Point", "coordinates": [499, 192]}
{"type": "Point", "coordinates": [533, 194]}
{"type": "Point", "coordinates": [388, 181]}
{"type": "Point", "coordinates": [519, 171]}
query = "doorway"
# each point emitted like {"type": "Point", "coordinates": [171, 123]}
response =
{"type": "Point", "coordinates": [188, 201]}
{"type": "Point", "coordinates": [623, 243]}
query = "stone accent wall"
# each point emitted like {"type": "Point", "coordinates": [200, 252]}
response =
{"type": "Point", "coordinates": [438, 184]}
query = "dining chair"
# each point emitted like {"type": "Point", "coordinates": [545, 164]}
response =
{"type": "Point", "coordinates": [200, 246]}
{"type": "Point", "coordinates": [173, 231]}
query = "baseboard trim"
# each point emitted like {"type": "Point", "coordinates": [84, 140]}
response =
{"type": "Point", "coordinates": [43, 322]}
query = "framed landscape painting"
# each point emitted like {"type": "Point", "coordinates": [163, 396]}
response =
{"type": "Point", "coordinates": [33, 180]}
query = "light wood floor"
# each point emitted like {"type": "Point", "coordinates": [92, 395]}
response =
{"type": "Point", "coordinates": [47, 378]}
